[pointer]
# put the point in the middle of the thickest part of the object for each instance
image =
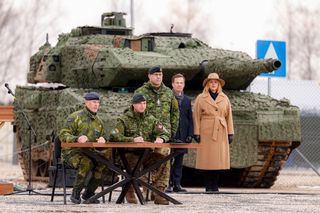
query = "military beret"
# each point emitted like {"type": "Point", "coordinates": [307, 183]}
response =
{"type": "Point", "coordinates": [91, 96]}
{"type": "Point", "coordinates": [137, 98]}
{"type": "Point", "coordinates": [154, 69]}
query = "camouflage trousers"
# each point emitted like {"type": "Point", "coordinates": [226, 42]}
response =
{"type": "Point", "coordinates": [160, 176]}
{"type": "Point", "coordinates": [84, 164]}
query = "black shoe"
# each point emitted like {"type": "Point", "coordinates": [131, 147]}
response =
{"type": "Point", "coordinates": [86, 197]}
{"type": "Point", "coordinates": [169, 189]}
{"type": "Point", "coordinates": [178, 188]}
{"type": "Point", "coordinates": [75, 197]}
{"type": "Point", "coordinates": [212, 190]}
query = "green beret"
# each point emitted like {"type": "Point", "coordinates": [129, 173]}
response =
{"type": "Point", "coordinates": [137, 98]}
{"type": "Point", "coordinates": [155, 69]}
{"type": "Point", "coordinates": [91, 96]}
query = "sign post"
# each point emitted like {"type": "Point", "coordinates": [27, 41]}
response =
{"type": "Point", "coordinates": [272, 49]}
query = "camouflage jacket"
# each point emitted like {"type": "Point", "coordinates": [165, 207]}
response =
{"type": "Point", "coordinates": [79, 123]}
{"type": "Point", "coordinates": [133, 124]}
{"type": "Point", "coordinates": [162, 104]}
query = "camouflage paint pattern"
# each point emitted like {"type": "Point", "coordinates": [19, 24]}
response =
{"type": "Point", "coordinates": [162, 104]}
{"type": "Point", "coordinates": [249, 112]}
{"type": "Point", "coordinates": [133, 124]}
{"type": "Point", "coordinates": [82, 122]}
{"type": "Point", "coordinates": [79, 123]}
{"type": "Point", "coordinates": [160, 176]}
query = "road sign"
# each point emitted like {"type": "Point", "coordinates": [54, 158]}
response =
{"type": "Point", "coordinates": [275, 50]}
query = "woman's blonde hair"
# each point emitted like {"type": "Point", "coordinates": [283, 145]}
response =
{"type": "Point", "coordinates": [206, 88]}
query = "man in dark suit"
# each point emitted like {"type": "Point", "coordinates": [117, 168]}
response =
{"type": "Point", "coordinates": [184, 133]}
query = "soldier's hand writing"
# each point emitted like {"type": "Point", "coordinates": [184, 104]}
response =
{"type": "Point", "coordinates": [138, 139]}
{"type": "Point", "coordinates": [101, 140]}
{"type": "Point", "coordinates": [82, 139]}
{"type": "Point", "coordinates": [159, 140]}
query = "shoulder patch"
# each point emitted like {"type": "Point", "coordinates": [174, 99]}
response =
{"type": "Point", "coordinates": [159, 127]}
{"type": "Point", "coordinates": [115, 131]}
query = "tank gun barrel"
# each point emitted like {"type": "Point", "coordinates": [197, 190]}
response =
{"type": "Point", "coordinates": [237, 72]}
{"type": "Point", "coordinates": [271, 64]}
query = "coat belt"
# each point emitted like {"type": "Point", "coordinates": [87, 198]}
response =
{"type": "Point", "coordinates": [219, 124]}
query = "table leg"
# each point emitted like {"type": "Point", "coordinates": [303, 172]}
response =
{"type": "Point", "coordinates": [133, 173]}
{"type": "Point", "coordinates": [162, 194]}
{"type": "Point", "coordinates": [151, 168]}
{"type": "Point", "coordinates": [106, 191]}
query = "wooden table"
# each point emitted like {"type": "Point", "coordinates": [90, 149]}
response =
{"type": "Point", "coordinates": [131, 177]}
{"type": "Point", "coordinates": [6, 114]}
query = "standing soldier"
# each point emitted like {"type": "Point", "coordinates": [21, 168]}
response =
{"type": "Point", "coordinates": [84, 126]}
{"type": "Point", "coordinates": [137, 126]}
{"type": "Point", "coordinates": [161, 104]}
{"type": "Point", "coordinates": [184, 133]}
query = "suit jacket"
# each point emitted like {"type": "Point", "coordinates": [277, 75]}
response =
{"type": "Point", "coordinates": [185, 127]}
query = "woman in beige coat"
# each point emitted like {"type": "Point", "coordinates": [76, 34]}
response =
{"type": "Point", "coordinates": [213, 127]}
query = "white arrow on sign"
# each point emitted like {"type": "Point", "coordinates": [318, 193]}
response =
{"type": "Point", "coordinates": [271, 53]}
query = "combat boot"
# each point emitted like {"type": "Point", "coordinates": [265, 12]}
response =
{"type": "Point", "coordinates": [131, 198]}
{"type": "Point", "coordinates": [86, 196]}
{"type": "Point", "coordinates": [146, 192]}
{"type": "Point", "coordinates": [169, 189]}
{"type": "Point", "coordinates": [160, 200]}
{"type": "Point", "coordinates": [75, 196]}
{"type": "Point", "coordinates": [90, 189]}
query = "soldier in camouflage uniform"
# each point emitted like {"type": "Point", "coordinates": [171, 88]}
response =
{"type": "Point", "coordinates": [161, 102]}
{"type": "Point", "coordinates": [84, 126]}
{"type": "Point", "coordinates": [138, 126]}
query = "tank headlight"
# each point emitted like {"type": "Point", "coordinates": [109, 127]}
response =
{"type": "Point", "coordinates": [52, 67]}
{"type": "Point", "coordinates": [55, 58]}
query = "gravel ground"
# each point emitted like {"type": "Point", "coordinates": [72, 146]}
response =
{"type": "Point", "coordinates": [302, 195]}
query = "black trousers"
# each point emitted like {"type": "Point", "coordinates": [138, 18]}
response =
{"type": "Point", "coordinates": [176, 170]}
{"type": "Point", "coordinates": [212, 180]}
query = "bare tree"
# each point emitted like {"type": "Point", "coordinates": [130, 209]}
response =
{"type": "Point", "coordinates": [300, 26]}
{"type": "Point", "coordinates": [7, 39]}
{"type": "Point", "coordinates": [310, 41]}
{"type": "Point", "coordinates": [21, 29]}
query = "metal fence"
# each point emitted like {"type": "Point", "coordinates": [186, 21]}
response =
{"type": "Point", "coordinates": [307, 155]}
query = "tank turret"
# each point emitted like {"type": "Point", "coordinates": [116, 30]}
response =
{"type": "Point", "coordinates": [110, 60]}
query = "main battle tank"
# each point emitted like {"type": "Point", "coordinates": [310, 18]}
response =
{"type": "Point", "coordinates": [113, 62]}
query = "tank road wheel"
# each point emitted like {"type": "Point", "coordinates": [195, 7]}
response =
{"type": "Point", "coordinates": [271, 158]}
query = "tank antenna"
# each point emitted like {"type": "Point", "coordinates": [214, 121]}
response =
{"type": "Point", "coordinates": [171, 28]}
{"type": "Point", "coordinates": [47, 40]}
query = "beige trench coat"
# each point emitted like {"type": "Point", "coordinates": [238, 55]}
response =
{"type": "Point", "coordinates": [213, 122]}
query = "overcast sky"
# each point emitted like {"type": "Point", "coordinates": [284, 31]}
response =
{"type": "Point", "coordinates": [229, 24]}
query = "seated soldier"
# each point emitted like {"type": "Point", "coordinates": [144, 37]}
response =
{"type": "Point", "coordinates": [85, 126]}
{"type": "Point", "coordinates": [137, 126]}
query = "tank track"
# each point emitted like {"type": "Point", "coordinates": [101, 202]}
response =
{"type": "Point", "coordinates": [271, 158]}
{"type": "Point", "coordinates": [39, 170]}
